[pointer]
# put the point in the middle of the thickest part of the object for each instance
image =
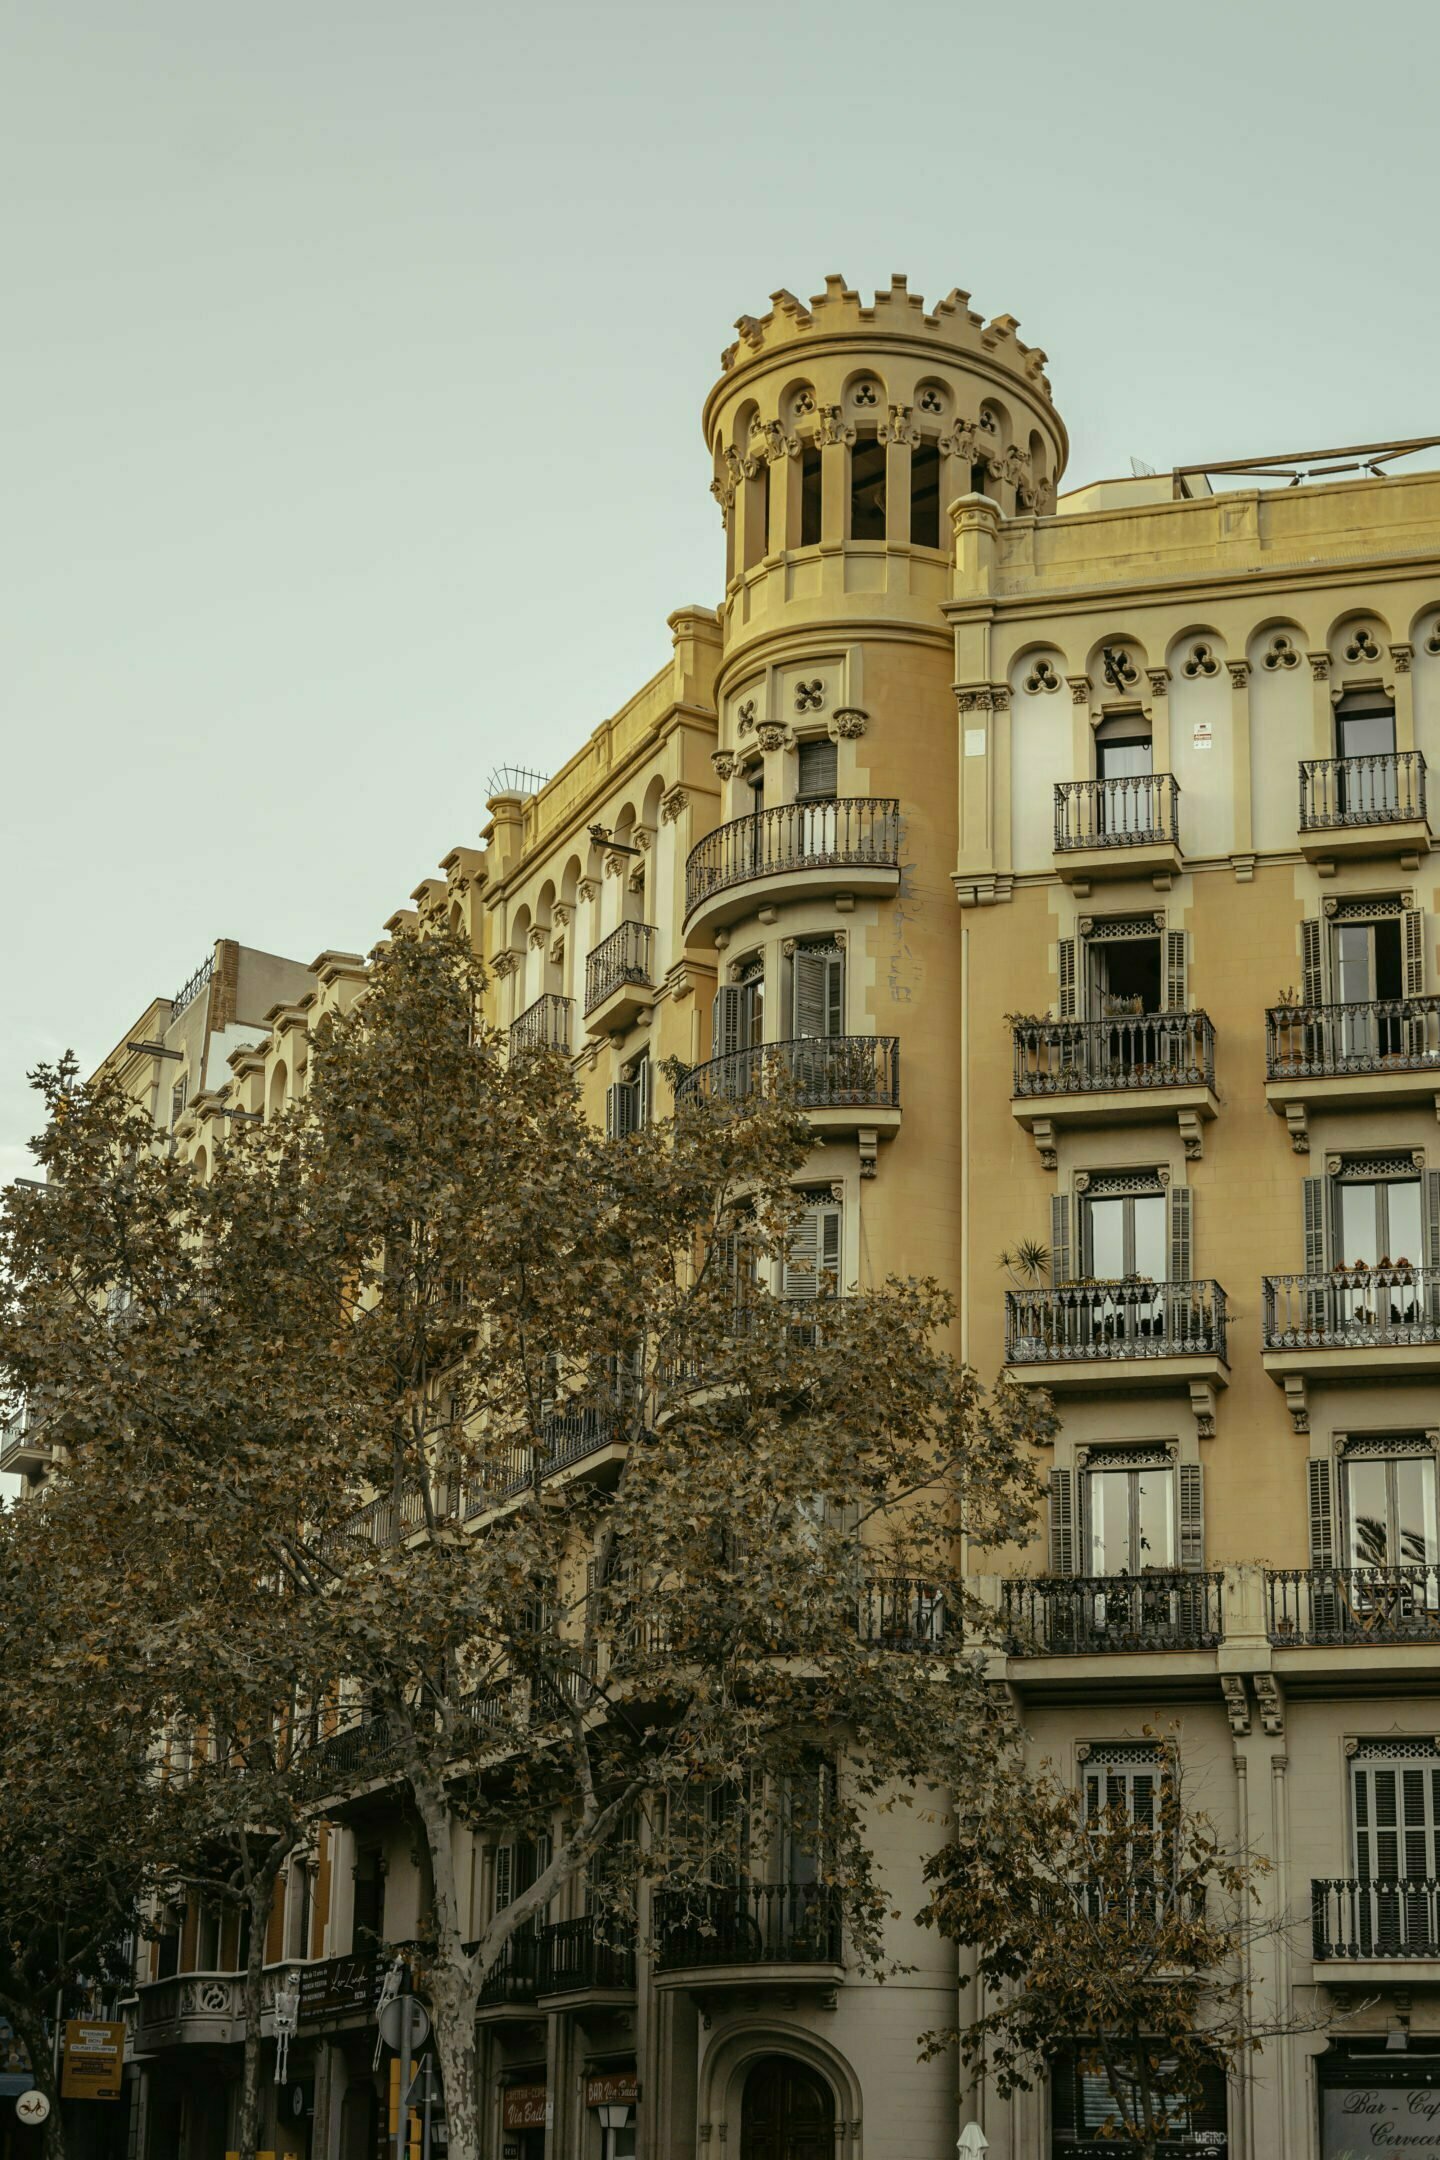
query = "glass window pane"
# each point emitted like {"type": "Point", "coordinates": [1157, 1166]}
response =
{"type": "Point", "coordinates": [1150, 1236]}
{"type": "Point", "coordinates": [1352, 953]}
{"type": "Point", "coordinates": [1155, 1517]}
{"type": "Point", "coordinates": [1415, 1543]}
{"type": "Point", "coordinates": [1359, 1233]}
{"type": "Point", "coordinates": [1107, 1238]}
{"type": "Point", "coordinates": [1368, 1511]}
{"type": "Point", "coordinates": [1108, 1492]}
{"type": "Point", "coordinates": [1366, 734]}
{"type": "Point", "coordinates": [1404, 1241]}
{"type": "Point", "coordinates": [1123, 760]}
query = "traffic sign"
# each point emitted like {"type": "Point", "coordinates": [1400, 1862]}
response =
{"type": "Point", "coordinates": [392, 2022]}
{"type": "Point", "coordinates": [32, 2106]}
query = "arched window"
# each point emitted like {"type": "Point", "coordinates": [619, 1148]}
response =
{"type": "Point", "coordinates": [867, 488]}
{"type": "Point", "coordinates": [925, 495]}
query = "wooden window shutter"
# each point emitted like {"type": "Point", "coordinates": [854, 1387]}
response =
{"type": "Point", "coordinates": [1176, 985]}
{"type": "Point", "coordinates": [727, 1020]}
{"type": "Point", "coordinates": [830, 1246]}
{"type": "Point", "coordinates": [1322, 1512]}
{"type": "Point", "coordinates": [1312, 962]}
{"type": "Point", "coordinates": [619, 1111]}
{"type": "Point", "coordinates": [504, 1876]}
{"type": "Point", "coordinates": [1181, 1233]}
{"type": "Point", "coordinates": [1432, 1227]}
{"type": "Point", "coordinates": [1317, 1203]}
{"type": "Point", "coordinates": [819, 993]}
{"type": "Point", "coordinates": [1062, 1522]}
{"type": "Point", "coordinates": [819, 771]}
{"type": "Point", "coordinates": [1065, 969]}
{"type": "Point", "coordinates": [1192, 1516]}
{"type": "Point", "coordinates": [1059, 1239]}
{"type": "Point", "coordinates": [1413, 939]}
{"type": "Point", "coordinates": [800, 1272]}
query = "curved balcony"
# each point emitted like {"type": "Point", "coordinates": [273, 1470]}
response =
{"type": "Point", "coordinates": [1130, 1068]}
{"type": "Point", "coordinates": [1117, 1334]}
{"type": "Point", "coordinates": [1364, 806]}
{"type": "Point", "coordinates": [1127, 827]}
{"type": "Point", "coordinates": [843, 1083]}
{"type": "Point", "coordinates": [749, 1933]}
{"type": "Point", "coordinates": [796, 851]}
{"type": "Point", "coordinates": [1360, 1056]}
{"type": "Point", "coordinates": [1092, 1615]}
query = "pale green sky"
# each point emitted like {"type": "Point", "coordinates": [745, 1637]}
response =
{"type": "Point", "coordinates": [353, 361]}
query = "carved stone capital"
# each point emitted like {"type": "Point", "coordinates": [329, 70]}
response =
{"type": "Point", "coordinates": [1079, 689]}
{"type": "Point", "coordinates": [898, 428]}
{"type": "Point", "coordinates": [724, 764]}
{"type": "Point", "coordinates": [505, 962]}
{"type": "Point", "coordinates": [586, 890]}
{"type": "Point", "coordinates": [672, 804]}
{"type": "Point", "coordinates": [1239, 672]}
{"type": "Point", "coordinates": [771, 736]}
{"type": "Point", "coordinates": [1159, 680]}
{"type": "Point", "coordinates": [560, 914]}
{"type": "Point", "coordinates": [1319, 665]}
{"type": "Point", "coordinates": [831, 426]}
{"type": "Point", "coordinates": [615, 865]}
{"type": "Point", "coordinates": [848, 723]}
{"type": "Point", "coordinates": [1401, 657]}
{"type": "Point", "coordinates": [539, 933]}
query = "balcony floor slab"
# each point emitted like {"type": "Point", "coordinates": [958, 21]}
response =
{"type": "Point", "coordinates": [1102, 1375]}
{"type": "Point", "coordinates": [800, 881]}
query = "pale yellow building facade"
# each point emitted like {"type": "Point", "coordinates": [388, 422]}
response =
{"type": "Point", "coordinates": [1072, 851]}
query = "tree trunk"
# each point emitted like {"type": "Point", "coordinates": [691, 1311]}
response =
{"type": "Point", "coordinates": [259, 1899]}
{"type": "Point", "coordinates": [453, 1979]}
{"type": "Point", "coordinates": [31, 2027]}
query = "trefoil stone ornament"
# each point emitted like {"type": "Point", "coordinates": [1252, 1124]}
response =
{"type": "Point", "coordinates": [930, 400]}
{"type": "Point", "coordinates": [1362, 647]}
{"type": "Point", "coordinates": [1281, 654]}
{"type": "Point", "coordinates": [1042, 679]}
{"type": "Point", "coordinates": [1432, 643]}
{"type": "Point", "coordinates": [866, 394]}
{"type": "Point", "coordinates": [1201, 661]}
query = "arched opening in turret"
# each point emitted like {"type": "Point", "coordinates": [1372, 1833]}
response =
{"type": "Point", "coordinates": [757, 516]}
{"type": "Point", "coordinates": [810, 495]}
{"type": "Point", "coordinates": [925, 495]}
{"type": "Point", "coordinates": [867, 487]}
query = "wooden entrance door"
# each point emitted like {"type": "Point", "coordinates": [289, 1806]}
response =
{"type": "Point", "coordinates": [788, 2113]}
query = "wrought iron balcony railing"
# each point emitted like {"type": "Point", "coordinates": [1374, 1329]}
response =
{"type": "Point", "coordinates": [1375, 1035]}
{"type": "Point", "coordinates": [904, 1613]}
{"type": "Point", "coordinates": [544, 1025]}
{"type": "Point", "coordinates": [626, 956]}
{"type": "Point", "coordinates": [748, 1923]}
{"type": "Point", "coordinates": [1089, 1322]}
{"type": "Point", "coordinates": [514, 1975]}
{"type": "Point", "coordinates": [853, 831]}
{"type": "Point", "coordinates": [1394, 1918]}
{"type": "Point", "coordinates": [1139, 810]}
{"type": "Point", "coordinates": [1131, 1051]}
{"type": "Point", "coordinates": [365, 1748]}
{"type": "Point", "coordinates": [578, 1954]}
{"type": "Point", "coordinates": [1352, 1309]}
{"type": "Point", "coordinates": [1387, 788]}
{"type": "Point", "coordinates": [1353, 1604]}
{"type": "Point", "coordinates": [1082, 1615]}
{"type": "Point", "coordinates": [827, 1072]}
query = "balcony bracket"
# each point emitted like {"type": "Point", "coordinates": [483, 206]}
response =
{"type": "Point", "coordinates": [1271, 1702]}
{"type": "Point", "coordinates": [1297, 1402]}
{"type": "Point", "coordinates": [869, 1140]}
{"type": "Point", "coordinates": [1202, 1403]}
{"type": "Point", "coordinates": [1192, 1135]}
{"type": "Point", "coordinates": [1237, 1702]}
{"type": "Point", "coordinates": [1042, 1132]}
{"type": "Point", "coordinates": [1163, 880]}
{"type": "Point", "coordinates": [1294, 1114]}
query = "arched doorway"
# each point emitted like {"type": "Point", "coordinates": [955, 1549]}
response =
{"type": "Point", "coordinates": [788, 2112]}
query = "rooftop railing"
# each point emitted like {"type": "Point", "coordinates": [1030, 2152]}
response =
{"type": "Point", "coordinates": [1386, 788]}
{"type": "Point", "coordinates": [852, 831]}
{"type": "Point", "coordinates": [1091, 1322]}
{"type": "Point", "coordinates": [1084, 1615]}
{"type": "Point", "coordinates": [626, 956]}
{"type": "Point", "coordinates": [1138, 810]}
{"type": "Point", "coordinates": [1304, 1042]}
{"type": "Point", "coordinates": [1132, 1051]}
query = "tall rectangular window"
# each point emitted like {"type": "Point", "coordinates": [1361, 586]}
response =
{"type": "Point", "coordinates": [810, 496]}
{"type": "Point", "coordinates": [925, 495]}
{"type": "Point", "coordinates": [867, 488]}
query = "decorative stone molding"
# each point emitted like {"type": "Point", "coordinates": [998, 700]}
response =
{"type": "Point", "coordinates": [724, 762]}
{"type": "Point", "coordinates": [1192, 1134]}
{"type": "Point", "coordinates": [869, 1145]}
{"type": "Point", "coordinates": [1079, 689]}
{"type": "Point", "coordinates": [1202, 1408]}
{"type": "Point", "coordinates": [1239, 673]}
{"type": "Point", "coordinates": [1000, 697]}
{"type": "Point", "coordinates": [962, 442]}
{"type": "Point", "coordinates": [539, 934]}
{"type": "Point", "coordinates": [586, 890]}
{"type": "Point", "coordinates": [831, 426]}
{"type": "Point", "coordinates": [1201, 660]}
{"type": "Point", "coordinates": [1319, 666]}
{"type": "Point", "coordinates": [1159, 680]}
{"type": "Point", "coordinates": [673, 804]}
{"type": "Point", "coordinates": [1042, 1132]}
{"type": "Point", "coordinates": [505, 962]}
{"type": "Point", "coordinates": [643, 837]}
{"type": "Point", "coordinates": [637, 878]}
{"type": "Point", "coordinates": [1297, 1402]}
{"type": "Point", "coordinates": [1401, 657]}
{"type": "Point", "coordinates": [615, 865]}
{"type": "Point", "coordinates": [745, 715]}
{"type": "Point", "coordinates": [1432, 643]}
{"type": "Point", "coordinates": [1362, 647]}
{"type": "Point", "coordinates": [1271, 1701]}
{"type": "Point", "coordinates": [898, 428]}
{"type": "Point", "coordinates": [848, 723]}
{"type": "Point", "coordinates": [1237, 1702]}
{"type": "Point", "coordinates": [771, 736]}
{"type": "Point", "coordinates": [560, 914]}
{"type": "Point", "coordinates": [1280, 653]}
{"type": "Point", "coordinates": [810, 696]}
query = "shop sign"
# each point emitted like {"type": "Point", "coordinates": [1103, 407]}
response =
{"type": "Point", "coordinates": [612, 2088]}
{"type": "Point", "coordinates": [94, 2060]}
{"type": "Point", "coordinates": [338, 1987]}
{"type": "Point", "coordinates": [525, 2107]}
{"type": "Point", "coordinates": [1376, 2122]}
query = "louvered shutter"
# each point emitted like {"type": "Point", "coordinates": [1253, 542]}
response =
{"type": "Point", "coordinates": [1181, 1239]}
{"type": "Point", "coordinates": [727, 1020]}
{"type": "Point", "coordinates": [1060, 1271]}
{"type": "Point", "coordinates": [814, 1248]}
{"type": "Point", "coordinates": [819, 991]}
{"type": "Point", "coordinates": [1176, 983]}
{"type": "Point", "coordinates": [1192, 1516]}
{"type": "Point", "coordinates": [1322, 1512]}
{"type": "Point", "coordinates": [1432, 1229]}
{"type": "Point", "coordinates": [1316, 1225]}
{"type": "Point", "coordinates": [504, 1876]}
{"type": "Point", "coordinates": [1312, 962]}
{"type": "Point", "coordinates": [1062, 1522]}
{"type": "Point", "coordinates": [1065, 969]}
{"type": "Point", "coordinates": [1413, 946]}
{"type": "Point", "coordinates": [644, 1093]}
{"type": "Point", "coordinates": [819, 770]}
{"type": "Point", "coordinates": [619, 1110]}
{"type": "Point", "coordinates": [830, 1248]}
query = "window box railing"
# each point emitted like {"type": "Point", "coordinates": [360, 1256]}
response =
{"type": "Point", "coordinates": [1353, 1604]}
{"type": "Point", "coordinates": [579, 1954]}
{"type": "Point", "coordinates": [1386, 788]}
{"type": "Point", "coordinates": [827, 1072]}
{"type": "Point", "coordinates": [748, 1924]}
{"type": "Point", "coordinates": [1352, 1309]}
{"type": "Point", "coordinates": [1133, 1052]}
{"type": "Point", "coordinates": [859, 831]}
{"type": "Point", "coordinates": [1374, 1035]}
{"type": "Point", "coordinates": [1395, 1918]}
{"type": "Point", "coordinates": [626, 956]}
{"type": "Point", "coordinates": [544, 1025]}
{"type": "Point", "coordinates": [1093, 1321]}
{"type": "Point", "coordinates": [1138, 810]}
{"type": "Point", "coordinates": [1081, 1615]}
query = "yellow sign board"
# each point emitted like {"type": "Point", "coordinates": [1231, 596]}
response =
{"type": "Point", "coordinates": [94, 2065]}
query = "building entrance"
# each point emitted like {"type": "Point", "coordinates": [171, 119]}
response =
{"type": "Point", "coordinates": [788, 2112]}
